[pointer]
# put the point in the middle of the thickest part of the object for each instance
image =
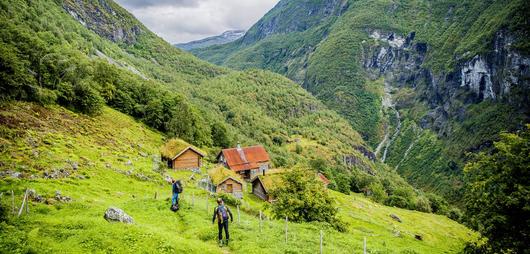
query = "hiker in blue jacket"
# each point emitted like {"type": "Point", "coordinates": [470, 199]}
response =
{"type": "Point", "coordinates": [221, 212]}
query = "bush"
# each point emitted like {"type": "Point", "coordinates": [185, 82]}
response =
{"type": "Point", "coordinates": [423, 205]}
{"type": "Point", "coordinates": [220, 135]}
{"type": "Point", "coordinates": [397, 201]}
{"type": "Point", "coordinates": [87, 99]}
{"type": "Point", "coordinates": [229, 199]}
{"type": "Point", "coordinates": [302, 198]}
{"type": "Point", "coordinates": [438, 204]}
{"type": "Point", "coordinates": [455, 214]}
{"type": "Point", "coordinates": [376, 192]}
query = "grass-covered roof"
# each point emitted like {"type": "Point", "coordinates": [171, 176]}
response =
{"type": "Point", "coordinates": [220, 173]}
{"type": "Point", "coordinates": [270, 181]}
{"type": "Point", "coordinates": [175, 146]}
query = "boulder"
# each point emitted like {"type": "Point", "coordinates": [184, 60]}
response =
{"type": "Point", "coordinates": [113, 214]}
{"type": "Point", "coordinates": [395, 217]}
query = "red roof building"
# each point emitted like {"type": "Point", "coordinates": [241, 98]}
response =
{"type": "Point", "coordinates": [247, 161]}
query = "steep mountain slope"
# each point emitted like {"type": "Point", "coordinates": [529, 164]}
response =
{"type": "Point", "coordinates": [423, 82]}
{"type": "Point", "coordinates": [225, 37]}
{"type": "Point", "coordinates": [109, 160]}
{"type": "Point", "coordinates": [68, 54]}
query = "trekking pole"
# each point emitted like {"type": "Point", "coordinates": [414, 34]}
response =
{"type": "Point", "coordinates": [320, 241]}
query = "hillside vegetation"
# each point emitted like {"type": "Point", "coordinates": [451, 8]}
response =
{"type": "Point", "coordinates": [84, 55]}
{"type": "Point", "coordinates": [345, 54]}
{"type": "Point", "coordinates": [111, 160]}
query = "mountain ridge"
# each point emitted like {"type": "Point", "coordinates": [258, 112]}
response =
{"type": "Point", "coordinates": [223, 38]}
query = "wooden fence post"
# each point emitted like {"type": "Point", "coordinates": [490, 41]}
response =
{"type": "Point", "coordinates": [260, 221]}
{"type": "Point", "coordinates": [193, 199]}
{"type": "Point", "coordinates": [155, 194]}
{"type": "Point", "coordinates": [13, 201]}
{"type": "Point", "coordinates": [238, 215]}
{"type": "Point", "coordinates": [286, 220]}
{"type": "Point", "coordinates": [320, 241]}
{"type": "Point", "coordinates": [364, 245]}
{"type": "Point", "coordinates": [206, 203]}
{"type": "Point", "coordinates": [23, 203]}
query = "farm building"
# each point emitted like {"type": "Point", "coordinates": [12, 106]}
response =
{"type": "Point", "coordinates": [262, 185]}
{"type": "Point", "coordinates": [226, 181]}
{"type": "Point", "coordinates": [180, 155]}
{"type": "Point", "coordinates": [246, 161]}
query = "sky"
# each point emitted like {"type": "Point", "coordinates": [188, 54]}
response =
{"type": "Point", "coordinates": [185, 20]}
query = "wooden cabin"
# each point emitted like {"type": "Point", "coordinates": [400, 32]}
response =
{"type": "Point", "coordinates": [323, 179]}
{"type": "Point", "coordinates": [180, 155]}
{"type": "Point", "coordinates": [226, 181]}
{"type": "Point", "coordinates": [262, 185]}
{"type": "Point", "coordinates": [246, 161]}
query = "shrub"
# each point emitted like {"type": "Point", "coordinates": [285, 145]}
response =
{"type": "Point", "coordinates": [229, 199]}
{"type": "Point", "coordinates": [376, 192]}
{"type": "Point", "coordinates": [302, 198]}
{"type": "Point", "coordinates": [423, 205]}
{"type": "Point", "coordinates": [455, 214]}
{"type": "Point", "coordinates": [87, 99]}
{"type": "Point", "coordinates": [438, 204]}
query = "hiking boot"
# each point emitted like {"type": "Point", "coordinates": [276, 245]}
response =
{"type": "Point", "coordinates": [227, 242]}
{"type": "Point", "coordinates": [220, 243]}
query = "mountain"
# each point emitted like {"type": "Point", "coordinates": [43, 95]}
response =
{"type": "Point", "coordinates": [94, 54]}
{"type": "Point", "coordinates": [89, 94]}
{"type": "Point", "coordinates": [424, 83]}
{"type": "Point", "coordinates": [225, 37]}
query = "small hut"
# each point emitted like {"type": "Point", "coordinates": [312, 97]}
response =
{"type": "Point", "coordinates": [226, 181]}
{"type": "Point", "coordinates": [262, 185]}
{"type": "Point", "coordinates": [180, 155]}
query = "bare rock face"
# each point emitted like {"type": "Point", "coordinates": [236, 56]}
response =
{"type": "Point", "coordinates": [113, 214]}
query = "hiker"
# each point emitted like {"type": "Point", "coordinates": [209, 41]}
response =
{"type": "Point", "coordinates": [177, 188]}
{"type": "Point", "coordinates": [221, 212]}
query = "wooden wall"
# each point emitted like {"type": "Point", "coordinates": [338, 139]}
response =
{"type": "Point", "coordinates": [187, 160]}
{"type": "Point", "coordinates": [236, 187]}
{"type": "Point", "coordinates": [259, 191]}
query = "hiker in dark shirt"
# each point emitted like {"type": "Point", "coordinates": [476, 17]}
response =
{"type": "Point", "coordinates": [176, 188]}
{"type": "Point", "coordinates": [221, 212]}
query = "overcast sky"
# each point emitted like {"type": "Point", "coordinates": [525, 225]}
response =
{"type": "Point", "coordinates": [186, 20]}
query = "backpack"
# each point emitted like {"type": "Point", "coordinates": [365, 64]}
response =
{"type": "Point", "coordinates": [178, 186]}
{"type": "Point", "coordinates": [222, 213]}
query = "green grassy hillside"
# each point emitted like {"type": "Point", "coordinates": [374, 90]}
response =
{"type": "Point", "coordinates": [71, 53]}
{"type": "Point", "coordinates": [113, 157]}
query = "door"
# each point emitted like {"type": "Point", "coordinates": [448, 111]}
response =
{"type": "Point", "coordinates": [229, 188]}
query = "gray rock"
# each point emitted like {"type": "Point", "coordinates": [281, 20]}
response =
{"type": "Point", "coordinates": [113, 214]}
{"type": "Point", "coordinates": [128, 163]}
{"type": "Point", "coordinates": [395, 217]}
{"type": "Point", "coordinates": [75, 165]}
{"type": "Point", "coordinates": [143, 154]}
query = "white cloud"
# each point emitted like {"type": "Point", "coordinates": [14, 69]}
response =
{"type": "Point", "coordinates": [185, 20]}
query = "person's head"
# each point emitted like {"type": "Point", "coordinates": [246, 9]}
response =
{"type": "Point", "coordinates": [173, 180]}
{"type": "Point", "coordinates": [219, 201]}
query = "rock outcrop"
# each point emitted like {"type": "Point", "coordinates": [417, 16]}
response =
{"type": "Point", "coordinates": [113, 214]}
